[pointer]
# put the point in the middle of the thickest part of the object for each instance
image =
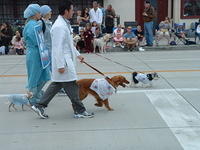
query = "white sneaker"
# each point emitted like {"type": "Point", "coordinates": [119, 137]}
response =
{"type": "Point", "coordinates": [40, 112]}
{"type": "Point", "coordinates": [141, 49]}
{"type": "Point", "coordinates": [122, 46]}
{"type": "Point", "coordinates": [85, 114]}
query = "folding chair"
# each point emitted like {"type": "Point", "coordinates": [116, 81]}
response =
{"type": "Point", "coordinates": [177, 33]}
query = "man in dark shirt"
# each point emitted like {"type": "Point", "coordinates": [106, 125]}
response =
{"type": "Point", "coordinates": [109, 22]}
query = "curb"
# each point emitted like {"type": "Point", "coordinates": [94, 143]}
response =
{"type": "Point", "coordinates": [156, 48]}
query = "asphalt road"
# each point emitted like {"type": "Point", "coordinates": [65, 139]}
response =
{"type": "Point", "coordinates": [163, 117]}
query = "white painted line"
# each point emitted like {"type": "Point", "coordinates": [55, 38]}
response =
{"type": "Point", "coordinates": [176, 112]}
{"type": "Point", "coordinates": [158, 90]}
{"type": "Point", "coordinates": [142, 91]}
{"type": "Point", "coordinates": [187, 59]}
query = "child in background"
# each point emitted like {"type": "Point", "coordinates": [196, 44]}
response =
{"type": "Point", "coordinates": [81, 44]}
{"type": "Point", "coordinates": [18, 43]}
{"type": "Point", "coordinates": [98, 33]}
{"type": "Point", "coordinates": [88, 38]}
{"type": "Point", "coordinates": [118, 37]}
{"type": "Point", "coordinates": [94, 26]}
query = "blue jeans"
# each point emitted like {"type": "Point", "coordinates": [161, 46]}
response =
{"type": "Point", "coordinates": [148, 30]}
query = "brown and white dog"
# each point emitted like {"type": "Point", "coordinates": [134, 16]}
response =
{"type": "Point", "coordinates": [85, 89]}
{"type": "Point", "coordinates": [101, 43]}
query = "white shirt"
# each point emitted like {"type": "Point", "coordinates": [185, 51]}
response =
{"type": "Point", "coordinates": [142, 78]}
{"type": "Point", "coordinates": [198, 28]}
{"type": "Point", "coordinates": [96, 16]}
{"type": "Point", "coordinates": [103, 88]}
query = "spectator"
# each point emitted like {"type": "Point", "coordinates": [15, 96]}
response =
{"type": "Point", "coordinates": [109, 19]}
{"type": "Point", "coordinates": [79, 19]}
{"type": "Point", "coordinates": [164, 29]}
{"type": "Point", "coordinates": [88, 38]}
{"type": "Point", "coordinates": [103, 12]}
{"type": "Point", "coordinates": [180, 31]}
{"type": "Point", "coordinates": [130, 38]}
{"type": "Point", "coordinates": [198, 30]}
{"type": "Point", "coordinates": [6, 34]}
{"type": "Point", "coordinates": [98, 33]}
{"type": "Point", "coordinates": [148, 16]}
{"type": "Point", "coordinates": [140, 35]}
{"type": "Point", "coordinates": [118, 37]}
{"type": "Point", "coordinates": [96, 14]}
{"type": "Point", "coordinates": [84, 17]}
{"type": "Point", "coordinates": [81, 43]}
{"type": "Point", "coordinates": [17, 43]}
{"type": "Point", "coordinates": [94, 26]}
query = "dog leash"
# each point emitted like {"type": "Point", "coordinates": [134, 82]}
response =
{"type": "Point", "coordinates": [106, 77]}
{"type": "Point", "coordinates": [116, 62]}
{"type": "Point", "coordinates": [95, 69]}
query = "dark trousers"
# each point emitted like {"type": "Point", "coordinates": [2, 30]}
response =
{"type": "Point", "coordinates": [70, 88]}
{"type": "Point", "coordinates": [109, 29]}
{"type": "Point", "coordinates": [6, 50]}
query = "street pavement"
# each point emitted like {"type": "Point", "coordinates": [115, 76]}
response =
{"type": "Point", "coordinates": [163, 117]}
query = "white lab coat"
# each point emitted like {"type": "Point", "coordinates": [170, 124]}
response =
{"type": "Point", "coordinates": [96, 16]}
{"type": "Point", "coordinates": [63, 51]}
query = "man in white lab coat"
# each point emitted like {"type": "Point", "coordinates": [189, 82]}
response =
{"type": "Point", "coordinates": [64, 55]}
{"type": "Point", "coordinates": [96, 14]}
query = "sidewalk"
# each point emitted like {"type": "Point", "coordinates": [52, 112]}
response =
{"type": "Point", "coordinates": [162, 46]}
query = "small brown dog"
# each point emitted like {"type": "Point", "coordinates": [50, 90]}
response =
{"type": "Point", "coordinates": [85, 84]}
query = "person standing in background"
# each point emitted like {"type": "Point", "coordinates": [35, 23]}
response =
{"type": "Point", "coordinates": [109, 19]}
{"type": "Point", "coordinates": [148, 16]}
{"type": "Point", "coordinates": [96, 14]}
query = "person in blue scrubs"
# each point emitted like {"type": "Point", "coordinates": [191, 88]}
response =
{"type": "Point", "coordinates": [37, 76]}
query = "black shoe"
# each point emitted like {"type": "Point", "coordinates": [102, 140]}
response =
{"type": "Point", "coordinates": [148, 45]}
{"type": "Point", "coordinates": [40, 112]}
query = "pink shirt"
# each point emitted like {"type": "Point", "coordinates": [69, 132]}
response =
{"type": "Point", "coordinates": [17, 44]}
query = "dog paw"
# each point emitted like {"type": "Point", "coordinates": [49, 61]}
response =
{"type": "Point", "coordinates": [98, 105]}
{"type": "Point", "coordinates": [110, 109]}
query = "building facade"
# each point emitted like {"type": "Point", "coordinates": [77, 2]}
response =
{"type": "Point", "coordinates": [180, 11]}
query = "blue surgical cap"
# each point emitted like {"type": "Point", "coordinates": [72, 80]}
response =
{"type": "Point", "coordinates": [32, 10]}
{"type": "Point", "coordinates": [45, 9]}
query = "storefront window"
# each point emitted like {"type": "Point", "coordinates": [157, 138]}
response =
{"type": "Point", "coordinates": [190, 9]}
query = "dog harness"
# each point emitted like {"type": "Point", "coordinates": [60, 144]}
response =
{"type": "Point", "coordinates": [103, 88]}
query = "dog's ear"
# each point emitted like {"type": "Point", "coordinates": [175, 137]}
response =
{"type": "Point", "coordinates": [150, 76]}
